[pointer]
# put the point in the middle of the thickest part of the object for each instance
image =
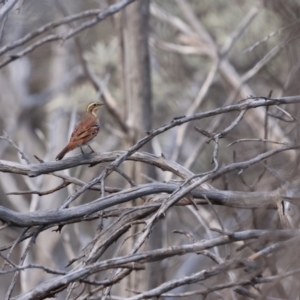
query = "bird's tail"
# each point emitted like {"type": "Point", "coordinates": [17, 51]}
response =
{"type": "Point", "coordinates": [62, 153]}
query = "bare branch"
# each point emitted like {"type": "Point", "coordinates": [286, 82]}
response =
{"type": "Point", "coordinates": [44, 289]}
{"type": "Point", "coordinates": [30, 192]}
{"type": "Point", "coordinates": [7, 7]}
{"type": "Point", "coordinates": [10, 141]}
{"type": "Point", "coordinates": [72, 32]}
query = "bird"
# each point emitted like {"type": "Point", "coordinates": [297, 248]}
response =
{"type": "Point", "coordinates": [85, 132]}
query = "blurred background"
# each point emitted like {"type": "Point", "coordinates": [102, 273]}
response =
{"type": "Point", "coordinates": [149, 63]}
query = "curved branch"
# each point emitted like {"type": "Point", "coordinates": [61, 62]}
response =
{"type": "Point", "coordinates": [50, 217]}
{"type": "Point", "coordinates": [47, 27]}
{"type": "Point", "coordinates": [103, 14]}
{"type": "Point", "coordinates": [7, 7]}
{"type": "Point", "coordinates": [245, 200]}
{"type": "Point", "coordinates": [120, 156]}
{"type": "Point", "coordinates": [45, 289]}
{"type": "Point", "coordinates": [34, 170]}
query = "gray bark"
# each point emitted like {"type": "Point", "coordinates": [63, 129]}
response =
{"type": "Point", "coordinates": [136, 79]}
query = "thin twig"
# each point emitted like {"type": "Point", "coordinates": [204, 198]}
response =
{"type": "Point", "coordinates": [2, 28]}
{"type": "Point", "coordinates": [30, 192]}
{"type": "Point", "coordinates": [10, 141]}
{"type": "Point", "coordinates": [6, 8]}
{"type": "Point", "coordinates": [255, 140]}
{"type": "Point", "coordinates": [270, 35]}
{"type": "Point", "coordinates": [72, 32]}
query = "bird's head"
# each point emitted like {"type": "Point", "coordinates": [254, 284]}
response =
{"type": "Point", "coordinates": [93, 107]}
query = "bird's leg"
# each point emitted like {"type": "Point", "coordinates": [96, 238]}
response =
{"type": "Point", "coordinates": [91, 149]}
{"type": "Point", "coordinates": [81, 150]}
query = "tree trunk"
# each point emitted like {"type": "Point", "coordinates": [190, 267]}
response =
{"type": "Point", "coordinates": [136, 84]}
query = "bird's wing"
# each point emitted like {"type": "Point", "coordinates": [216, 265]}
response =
{"type": "Point", "coordinates": [85, 130]}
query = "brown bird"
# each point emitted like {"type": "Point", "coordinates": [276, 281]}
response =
{"type": "Point", "coordinates": [85, 132]}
